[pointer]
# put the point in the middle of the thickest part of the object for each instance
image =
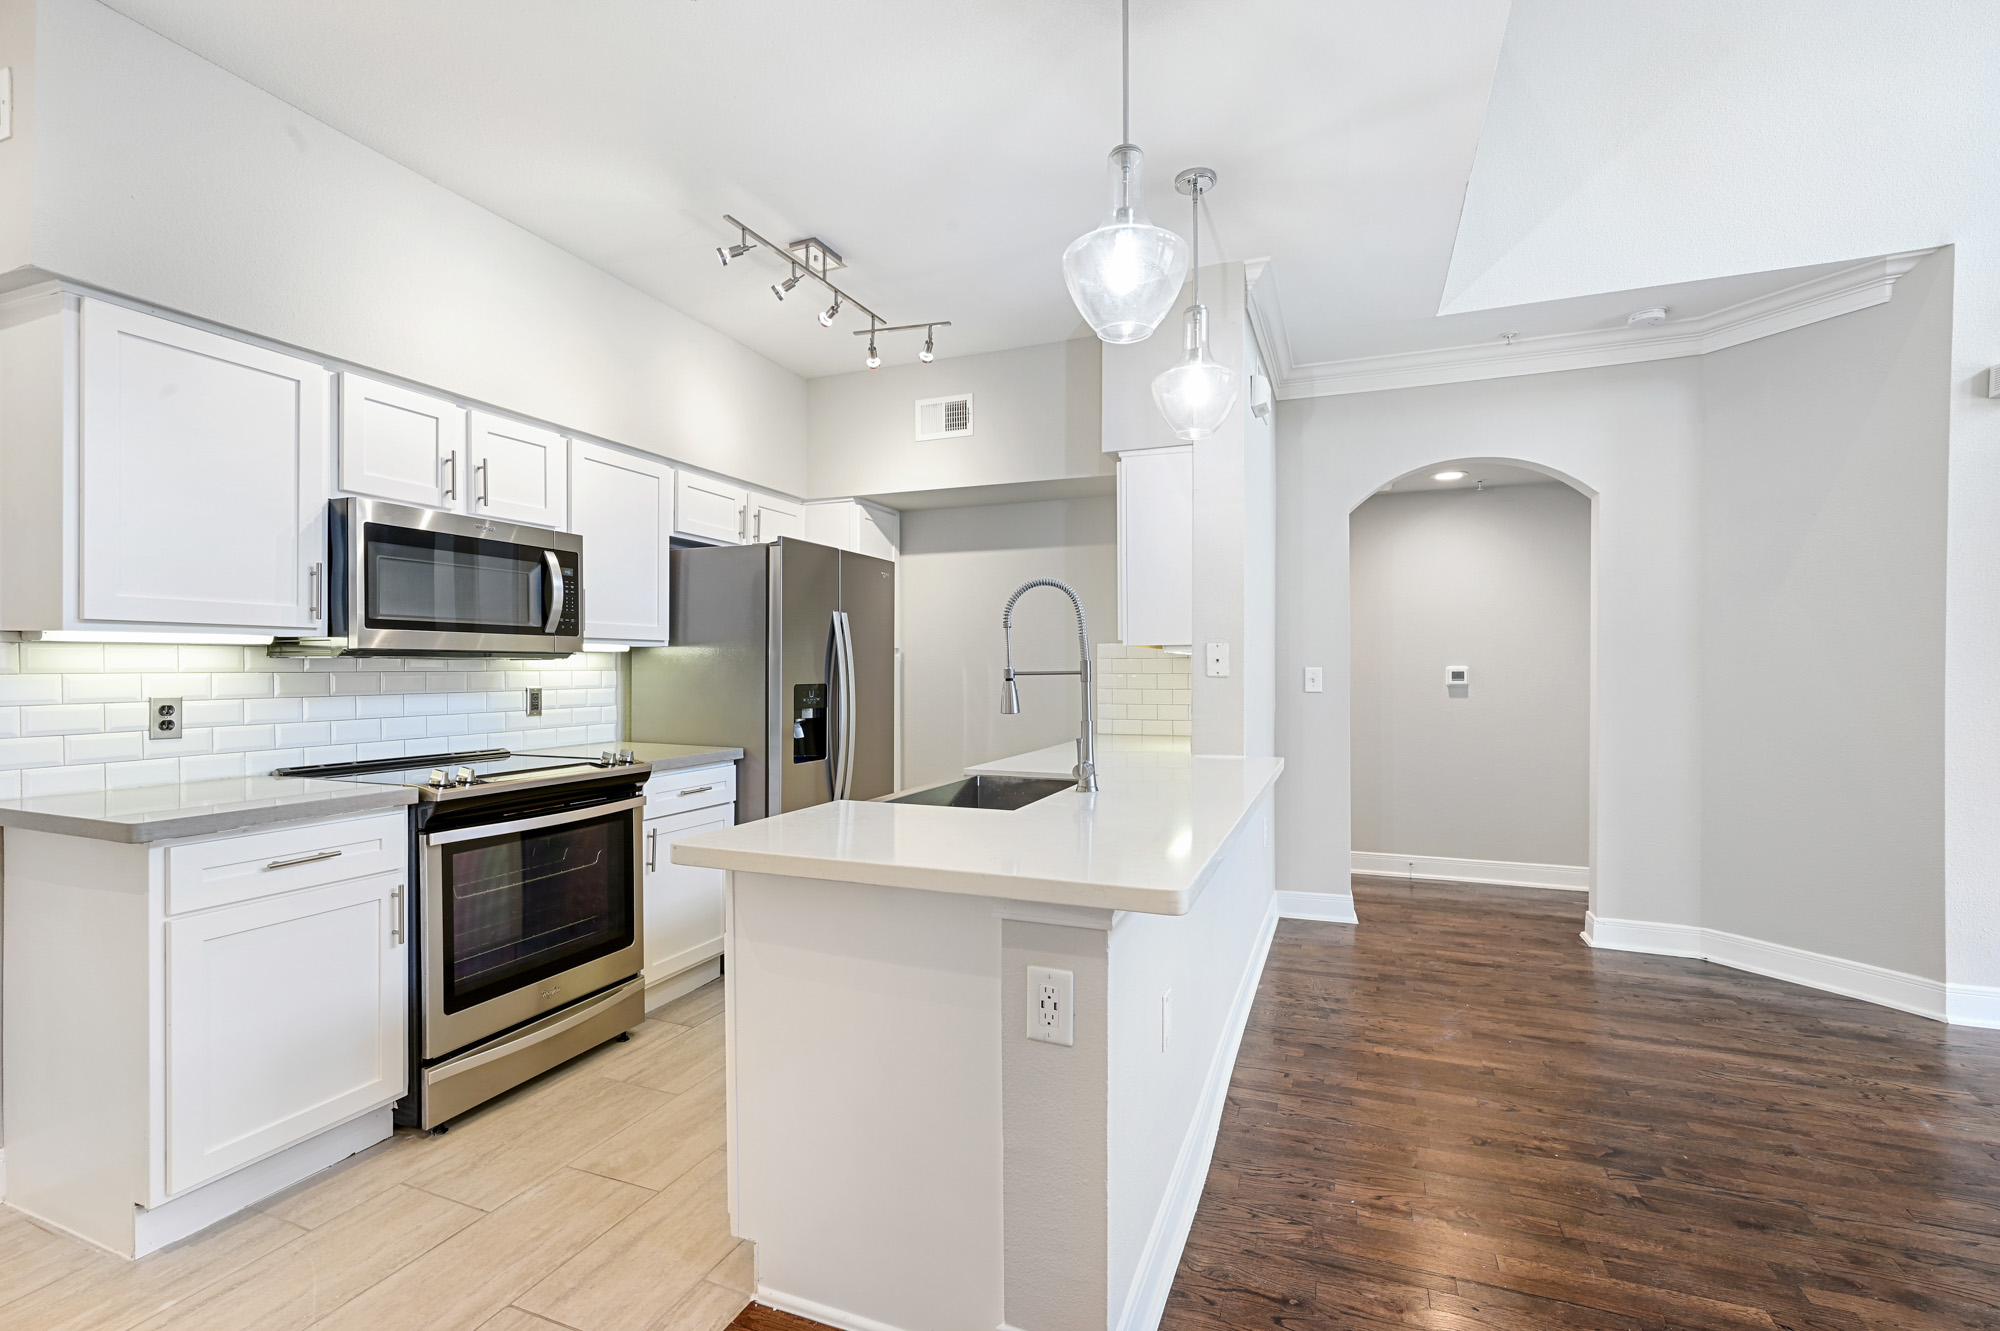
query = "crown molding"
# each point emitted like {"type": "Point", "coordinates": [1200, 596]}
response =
{"type": "Point", "coordinates": [1843, 292]}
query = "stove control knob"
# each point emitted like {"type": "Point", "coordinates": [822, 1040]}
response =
{"type": "Point", "coordinates": [625, 758]}
{"type": "Point", "coordinates": [438, 779]}
{"type": "Point", "coordinates": [464, 776]}
{"type": "Point", "coordinates": [607, 759]}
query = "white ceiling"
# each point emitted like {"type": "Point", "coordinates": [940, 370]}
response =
{"type": "Point", "coordinates": [949, 149]}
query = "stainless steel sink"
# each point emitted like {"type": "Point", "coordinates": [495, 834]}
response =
{"type": "Point", "coordinates": [986, 792]}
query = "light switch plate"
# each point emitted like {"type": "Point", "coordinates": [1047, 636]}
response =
{"type": "Point", "coordinates": [1217, 660]}
{"type": "Point", "coordinates": [1315, 679]}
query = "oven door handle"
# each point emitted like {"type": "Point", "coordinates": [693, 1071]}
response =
{"type": "Point", "coordinates": [483, 830]}
{"type": "Point", "coordinates": [555, 595]}
{"type": "Point", "coordinates": [523, 1039]}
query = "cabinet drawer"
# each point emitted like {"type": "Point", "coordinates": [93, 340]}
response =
{"type": "Point", "coordinates": [690, 788]}
{"type": "Point", "coordinates": [203, 874]}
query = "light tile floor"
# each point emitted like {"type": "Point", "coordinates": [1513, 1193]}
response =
{"type": "Point", "coordinates": [592, 1198]}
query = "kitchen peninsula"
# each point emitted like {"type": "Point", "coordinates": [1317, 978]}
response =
{"type": "Point", "coordinates": [902, 1151]}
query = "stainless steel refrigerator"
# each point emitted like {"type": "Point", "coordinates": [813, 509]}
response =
{"type": "Point", "coordinates": [788, 652]}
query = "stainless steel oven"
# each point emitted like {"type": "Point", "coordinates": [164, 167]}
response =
{"type": "Point", "coordinates": [405, 581]}
{"type": "Point", "coordinates": [526, 915]}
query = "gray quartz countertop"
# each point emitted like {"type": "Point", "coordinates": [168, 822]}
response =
{"type": "Point", "coordinates": [198, 808]}
{"type": "Point", "coordinates": [663, 757]}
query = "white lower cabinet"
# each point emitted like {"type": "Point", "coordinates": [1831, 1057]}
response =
{"type": "Point", "coordinates": [684, 905]}
{"type": "Point", "coordinates": [286, 1015]}
{"type": "Point", "coordinates": [193, 1026]}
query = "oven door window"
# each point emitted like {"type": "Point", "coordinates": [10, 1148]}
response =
{"type": "Point", "coordinates": [435, 581]}
{"type": "Point", "coordinates": [522, 906]}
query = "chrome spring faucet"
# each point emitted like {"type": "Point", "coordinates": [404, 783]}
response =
{"type": "Point", "coordinates": [1010, 697]}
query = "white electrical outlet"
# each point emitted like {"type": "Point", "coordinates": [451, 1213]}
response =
{"type": "Point", "coordinates": [1166, 1020]}
{"type": "Point", "coordinates": [1315, 679]}
{"type": "Point", "coordinates": [163, 718]}
{"type": "Point", "coordinates": [1051, 1000]}
{"type": "Point", "coordinates": [1218, 660]}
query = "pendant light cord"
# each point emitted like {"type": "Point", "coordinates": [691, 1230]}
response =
{"type": "Point", "coordinates": [1194, 209]}
{"type": "Point", "coordinates": [1125, 64]}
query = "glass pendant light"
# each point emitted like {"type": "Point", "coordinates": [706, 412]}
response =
{"type": "Point", "coordinates": [1125, 275]}
{"type": "Point", "coordinates": [1195, 395]}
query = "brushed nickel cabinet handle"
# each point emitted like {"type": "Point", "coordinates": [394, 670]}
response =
{"type": "Point", "coordinates": [396, 915]}
{"type": "Point", "coordinates": [652, 849]}
{"type": "Point", "coordinates": [313, 579]}
{"type": "Point", "coordinates": [481, 471]}
{"type": "Point", "coordinates": [301, 859]}
{"type": "Point", "coordinates": [698, 790]}
{"type": "Point", "coordinates": [451, 488]}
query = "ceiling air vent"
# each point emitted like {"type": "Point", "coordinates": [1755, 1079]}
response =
{"type": "Point", "coordinates": [944, 417]}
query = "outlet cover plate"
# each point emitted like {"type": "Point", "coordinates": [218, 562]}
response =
{"type": "Point", "coordinates": [1051, 1005]}
{"type": "Point", "coordinates": [164, 718]}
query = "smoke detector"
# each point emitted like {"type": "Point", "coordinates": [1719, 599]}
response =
{"type": "Point", "coordinates": [1655, 314]}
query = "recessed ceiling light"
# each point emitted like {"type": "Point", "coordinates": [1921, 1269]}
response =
{"type": "Point", "coordinates": [1449, 476]}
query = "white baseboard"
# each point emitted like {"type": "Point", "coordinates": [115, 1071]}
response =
{"type": "Point", "coordinates": [1324, 906]}
{"type": "Point", "coordinates": [1505, 873]}
{"type": "Point", "coordinates": [1664, 940]}
{"type": "Point", "coordinates": [1958, 1004]}
{"type": "Point", "coordinates": [1160, 1259]}
{"type": "Point", "coordinates": [659, 993]}
{"type": "Point", "coordinates": [818, 1312]}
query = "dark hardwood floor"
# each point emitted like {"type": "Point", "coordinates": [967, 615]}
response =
{"type": "Point", "coordinates": [757, 1317]}
{"type": "Point", "coordinates": [1456, 1115]}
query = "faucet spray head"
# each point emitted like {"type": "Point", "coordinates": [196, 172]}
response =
{"type": "Point", "coordinates": [1010, 696]}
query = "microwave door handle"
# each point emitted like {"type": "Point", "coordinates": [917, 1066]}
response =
{"type": "Point", "coordinates": [555, 593]}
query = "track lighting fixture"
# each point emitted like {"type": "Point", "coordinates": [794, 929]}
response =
{"type": "Point", "coordinates": [927, 355]}
{"type": "Point", "coordinates": [738, 250]}
{"type": "Point", "coordinates": [810, 259]}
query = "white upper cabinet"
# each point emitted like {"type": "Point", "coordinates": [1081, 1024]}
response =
{"type": "Point", "coordinates": [202, 477]}
{"type": "Point", "coordinates": [855, 524]}
{"type": "Point", "coordinates": [709, 510]}
{"type": "Point", "coordinates": [623, 507]}
{"type": "Point", "coordinates": [519, 472]}
{"type": "Point", "coordinates": [769, 517]}
{"type": "Point", "coordinates": [400, 445]}
{"type": "Point", "coordinates": [1156, 547]}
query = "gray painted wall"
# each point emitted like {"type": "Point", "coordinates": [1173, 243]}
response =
{"type": "Point", "coordinates": [1498, 581]}
{"type": "Point", "coordinates": [1035, 417]}
{"type": "Point", "coordinates": [1823, 631]}
{"type": "Point", "coordinates": [958, 567]}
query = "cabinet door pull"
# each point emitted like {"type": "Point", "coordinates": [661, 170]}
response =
{"type": "Point", "coordinates": [652, 849]}
{"type": "Point", "coordinates": [396, 915]}
{"type": "Point", "coordinates": [481, 471]}
{"type": "Point", "coordinates": [301, 859]}
{"type": "Point", "coordinates": [698, 790]}
{"type": "Point", "coordinates": [314, 582]}
{"type": "Point", "coordinates": [757, 529]}
{"type": "Point", "coordinates": [451, 486]}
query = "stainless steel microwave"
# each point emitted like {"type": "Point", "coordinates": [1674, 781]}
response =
{"type": "Point", "coordinates": [405, 581]}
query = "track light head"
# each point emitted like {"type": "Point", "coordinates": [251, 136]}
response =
{"type": "Point", "coordinates": [874, 356]}
{"type": "Point", "coordinates": [827, 315]}
{"type": "Point", "coordinates": [732, 252]}
{"type": "Point", "coordinates": [782, 289]}
{"type": "Point", "coordinates": [929, 353]}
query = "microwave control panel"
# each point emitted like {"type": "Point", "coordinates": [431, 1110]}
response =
{"type": "Point", "coordinates": [570, 625]}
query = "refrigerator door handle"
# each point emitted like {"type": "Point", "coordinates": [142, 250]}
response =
{"type": "Point", "coordinates": [836, 708]}
{"type": "Point", "coordinates": [843, 682]}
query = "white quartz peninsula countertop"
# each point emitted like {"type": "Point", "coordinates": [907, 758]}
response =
{"type": "Point", "coordinates": [1147, 841]}
{"type": "Point", "coordinates": [198, 808]}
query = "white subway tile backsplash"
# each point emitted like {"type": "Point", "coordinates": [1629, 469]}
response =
{"type": "Point", "coordinates": [57, 657]}
{"type": "Point", "coordinates": [147, 772]}
{"type": "Point", "coordinates": [1142, 690]}
{"type": "Point", "coordinates": [258, 711]}
{"type": "Point", "coordinates": [18, 689]}
{"type": "Point", "coordinates": [62, 780]}
{"type": "Point", "coordinates": [102, 688]}
{"type": "Point", "coordinates": [73, 716]}
{"type": "Point", "coordinates": [113, 747]}
{"type": "Point", "coordinates": [70, 719]}
{"type": "Point", "coordinates": [305, 734]}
